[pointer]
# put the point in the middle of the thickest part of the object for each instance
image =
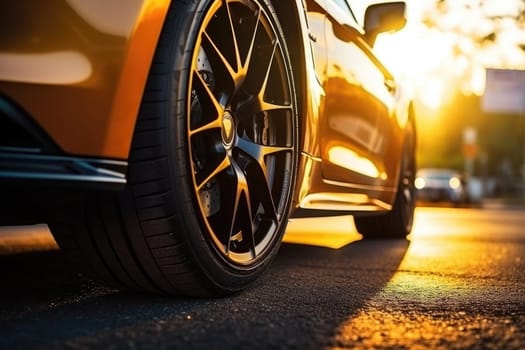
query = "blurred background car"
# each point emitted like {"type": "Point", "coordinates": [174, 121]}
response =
{"type": "Point", "coordinates": [441, 185]}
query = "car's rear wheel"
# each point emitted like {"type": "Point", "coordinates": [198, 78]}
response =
{"type": "Point", "coordinates": [212, 164]}
{"type": "Point", "coordinates": [397, 223]}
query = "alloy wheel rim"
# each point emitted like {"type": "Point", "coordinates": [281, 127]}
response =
{"type": "Point", "coordinates": [241, 131]}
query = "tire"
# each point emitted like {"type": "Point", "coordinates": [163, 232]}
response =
{"type": "Point", "coordinates": [397, 223]}
{"type": "Point", "coordinates": [212, 164]}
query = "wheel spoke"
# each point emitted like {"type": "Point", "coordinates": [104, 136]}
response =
{"type": "Point", "coordinates": [256, 105]}
{"type": "Point", "coordinates": [263, 191]}
{"type": "Point", "coordinates": [261, 177]}
{"type": "Point", "coordinates": [207, 98]}
{"type": "Point", "coordinates": [260, 102]}
{"type": "Point", "coordinates": [242, 191]}
{"type": "Point", "coordinates": [269, 107]}
{"type": "Point", "coordinates": [267, 71]}
{"type": "Point", "coordinates": [214, 124]}
{"type": "Point", "coordinates": [223, 165]}
{"type": "Point", "coordinates": [234, 38]}
{"type": "Point", "coordinates": [253, 40]}
{"type": "Point", "coordinates": [212, 49]}
{"type": "Point", "coordinates": [259, 152]}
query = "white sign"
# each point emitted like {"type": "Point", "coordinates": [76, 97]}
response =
{"type": "Point", "coordinates": [504, 91]}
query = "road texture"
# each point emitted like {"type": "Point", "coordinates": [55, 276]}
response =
{"type": "Point", "coordinates": [457, 283]}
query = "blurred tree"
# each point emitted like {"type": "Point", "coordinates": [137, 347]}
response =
{"type": "Point", "coordinates": [480, 34]}
{"type": "Point", "coordinates": [500, 137]}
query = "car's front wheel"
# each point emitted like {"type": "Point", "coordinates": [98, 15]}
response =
{"type": "Point", "coordinates": [213, 160]}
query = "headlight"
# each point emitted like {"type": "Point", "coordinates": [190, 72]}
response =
{"type": "Point", "coordinates": [419, 183]}
{"type": "Point", "coordinates": [454, 183]}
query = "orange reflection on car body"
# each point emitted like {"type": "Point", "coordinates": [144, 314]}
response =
{"type": "Point", "coordinates": [79, 68]}
{"type": "Point", "coordinates": [133, 77]}
{"type": "Point", "coordinates": [349, 159]}
{"type": "Point", "coordinates": [57, 68]}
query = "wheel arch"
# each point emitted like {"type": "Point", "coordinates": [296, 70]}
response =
{"type": "Point", "coordinates": [291, 18]}
{"type": "Point", "coordinates": [132, 80]}
{"type": "Point", "coordinates": [413, 122]}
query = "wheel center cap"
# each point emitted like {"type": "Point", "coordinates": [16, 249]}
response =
{"type": "Point", "coordinates": [228, 129]}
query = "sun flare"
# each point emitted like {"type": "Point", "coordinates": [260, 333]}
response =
{"type": "Point", "coordinates": [437, 62]}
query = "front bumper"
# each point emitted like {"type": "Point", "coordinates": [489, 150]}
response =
{"type": "Point", "coordinates": [28, 156]}
{"type": "Point", "coordinates": [19, 167]}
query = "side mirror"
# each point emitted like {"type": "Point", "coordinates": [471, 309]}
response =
{"type": "Point", "coordinates": [384, 17]}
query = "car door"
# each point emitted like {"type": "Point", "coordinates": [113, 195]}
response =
{"type": "Point", "coordinates": [356, 123]}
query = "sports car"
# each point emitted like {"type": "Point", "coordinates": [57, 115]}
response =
{"type": "Point", "coordinates": [167, 143]}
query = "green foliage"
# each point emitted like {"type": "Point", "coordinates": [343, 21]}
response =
{"type": "Point", "coordinates": [500, 137]}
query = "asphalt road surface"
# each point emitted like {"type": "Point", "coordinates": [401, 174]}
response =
{"type": "Point", "coordinates": [457, 283]}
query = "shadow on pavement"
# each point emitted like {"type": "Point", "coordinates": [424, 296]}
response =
{"type": "Point", "coordinates": [300, 303]}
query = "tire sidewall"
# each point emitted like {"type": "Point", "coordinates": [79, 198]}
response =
{"type": "Point", "coordinates": [223, 275]}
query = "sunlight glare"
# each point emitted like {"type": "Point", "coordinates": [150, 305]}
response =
{"type": "Point", "coordinates": [436, 63]}
{"type": "Point", "coordinates": [329, 232]}
{"type": "Point", "coordinates": [432, 94]}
